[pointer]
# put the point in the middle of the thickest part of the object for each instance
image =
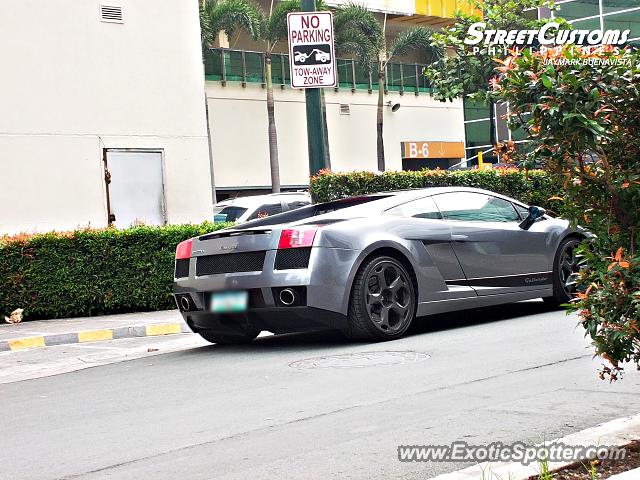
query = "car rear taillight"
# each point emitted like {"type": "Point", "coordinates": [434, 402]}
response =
{"type": "Point", "coordinates": [297, 237]}
{"type": "Point", "coordinates": [183, 250]}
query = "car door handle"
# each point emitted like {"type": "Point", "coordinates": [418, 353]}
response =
{"type": "Point", "coordinates": [459, 238]}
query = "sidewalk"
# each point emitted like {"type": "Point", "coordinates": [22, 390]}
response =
{"type": "Point", "coordinates": [41, 333]}
{"type": "Point", "coordinates": [617, 432]}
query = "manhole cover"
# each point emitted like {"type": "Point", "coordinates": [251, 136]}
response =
{"type": "Point", "coordinates": [359, 360]}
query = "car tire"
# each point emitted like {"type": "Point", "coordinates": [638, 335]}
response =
{"type": "Point", "coordinates": [382, 304]}
{"type": "Point", "coordinates": [565, 263]}
{"type": "Point", "coordinates": [222, 339]}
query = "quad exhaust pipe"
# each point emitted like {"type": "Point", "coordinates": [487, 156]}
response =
{"type": "Point", "coordinates": [287, 297]}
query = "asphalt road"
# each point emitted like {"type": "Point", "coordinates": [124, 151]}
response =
{"type": "Point", "coordinates": [280, 409]}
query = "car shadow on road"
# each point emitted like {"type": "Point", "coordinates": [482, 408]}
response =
{"type": "Point", "coordinates": [477, 316]}
{"type": "Point", "coordinates": [422, 325]}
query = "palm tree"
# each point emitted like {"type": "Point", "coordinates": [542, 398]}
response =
{"type": "Point", "coordinates": [228, 16]}
{"type": "Point", "coordinates": [271, 29]}
{"type": "Point", "coordinates": [359, 33]}
{"type": "Point", "coordinates": [274, 30]}
{"type": "Point", "coordinates": [224, 16]}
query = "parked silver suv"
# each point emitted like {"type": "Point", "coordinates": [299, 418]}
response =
{"type": "Point", "coordinates": [243, 209]}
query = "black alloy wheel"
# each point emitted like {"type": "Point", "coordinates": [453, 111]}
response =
{"type": "Point", "coordinates": [383, 301]}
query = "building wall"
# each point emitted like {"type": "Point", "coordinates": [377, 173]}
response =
{"type": "Point", "coordinates": [238, 121]}
{"type": "Point", "coordinates": [401, 7]}
{"type": "Point", "coordinates": [73, 85]}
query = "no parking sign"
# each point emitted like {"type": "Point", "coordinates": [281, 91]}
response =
{"type": "Point", "coordinates": [311, 49]}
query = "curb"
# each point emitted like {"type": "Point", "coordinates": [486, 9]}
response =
{"type": "Point", "coordinates": [85, 336]}
{"type": "Point", "coordinates": [617, 432]}
{"type": "Point", "coordinates": [628, 475]}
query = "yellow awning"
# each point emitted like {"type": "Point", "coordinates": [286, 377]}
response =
{"type": "Point", "coordinates": [442, 8]}
{"type": "Point", "coordinates": [435, 13]}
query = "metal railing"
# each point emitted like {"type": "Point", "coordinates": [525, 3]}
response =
{"type": "Point", "coordinates": [227, 65]}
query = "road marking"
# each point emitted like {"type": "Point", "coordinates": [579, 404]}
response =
{"type": "Point", "coordinates": [95, 335]}
{"type": "Point", "coordinates": [27, 342]}
{"type": "Point", "coordinates": [163, 329]}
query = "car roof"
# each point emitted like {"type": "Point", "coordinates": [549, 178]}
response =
{"type": "Point", "coordinates": [397, 197]}
{"type": "Point", "coordinates": [411, 193]}
{"type": "Point", "coordinates": [259, 199]}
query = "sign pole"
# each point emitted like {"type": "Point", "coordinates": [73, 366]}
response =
{"type": "Point", "coordinates": [315, 124]}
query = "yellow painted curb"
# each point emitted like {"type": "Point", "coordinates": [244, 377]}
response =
{"type": "Point", "coordinates": [27, 342]}
{"type": "Point", "coordinates": [95, 335]}
{"type": "Point", "coordinates": [163, 329]}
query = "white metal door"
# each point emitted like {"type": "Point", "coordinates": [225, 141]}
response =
{"type": "Point", "coordinates": [136, 191]}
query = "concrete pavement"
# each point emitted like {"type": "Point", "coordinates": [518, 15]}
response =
{"type": "Point", "coordinates": [28, 364]}
{"type": "Point", "coordinates": [314, 406]}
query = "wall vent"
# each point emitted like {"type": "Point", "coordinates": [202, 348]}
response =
{"type": "Point", "coordinates": [111, 14]}
{"type": "Point", "coordinates": [345, 109]}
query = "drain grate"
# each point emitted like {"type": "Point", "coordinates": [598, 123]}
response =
{"type": "Point", "coordinates": [360, 360]}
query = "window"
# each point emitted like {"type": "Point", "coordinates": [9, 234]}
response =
{"type": "Point", "coordinates": [266, 211]}
{"type": "Point", "coordinates": [478, 133]}
{"type": "Point", "coordinates": [624, 21]}
{"type": "Point", "coordinates": [421, 208]}
{"type": "Point", "coordinates": [586, 24]}
{"type": "Point", "coordinates": [475, 110]}
{"type": "Point", "coordinates": [523, 211]}
{"type": "Point", "coordinates": [228, 214]}
{"type": "Point", "coordinates": [475, 207]}
{"type": "Point", "coordinates": [578, 9]}
{"type": "Point", "coordinates": [297, 204]}
{"type": "Point", "coordinates": [617, 5]}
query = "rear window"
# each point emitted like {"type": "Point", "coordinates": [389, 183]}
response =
{"type": "Point", "coordinates": [228, 214]}
{"type": "Point", "coordinates": [264, 211]}
{"type": "Point", "coordinates": [312, 211]}
{"type": "Point", "coordinates": [298, 204]}
{"type": "Point", "coordinates": [336, 205]}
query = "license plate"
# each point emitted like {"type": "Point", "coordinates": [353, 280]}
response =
{"type": "Point", "coordinates": [229, 302]}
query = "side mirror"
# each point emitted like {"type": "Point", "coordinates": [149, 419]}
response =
{"type": "Point", "coordinates": [534, 214]}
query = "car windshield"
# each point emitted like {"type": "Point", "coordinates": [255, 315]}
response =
{"type": "Point", "coordinates": [227, 214]}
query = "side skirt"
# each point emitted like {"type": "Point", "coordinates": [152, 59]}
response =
{"type": "Point", "coordinates": [443, 306]}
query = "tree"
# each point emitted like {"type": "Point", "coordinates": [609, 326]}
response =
{"type": "Point", "coordinates": [581, 112]}
{"type": "Point", "coordinates": [228, 16]}
{"type": "Point", "coordinates": [270, 28]}
{"type": "Point", "coordinates": [358, 32]}
{"type": "Point", "coordinates": [273, 31]}
{"type": "Point", "coordinates": [224, 16]}
{"type": "Point", "coordinates": [467, 69]}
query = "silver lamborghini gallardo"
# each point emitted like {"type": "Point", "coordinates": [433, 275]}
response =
{"type": "Point", "coordinates": [369, 265]}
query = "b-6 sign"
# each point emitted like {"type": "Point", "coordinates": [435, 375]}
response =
{"type": "Point", "coordinates": [432, 149]}
{"type": "Point", "coordinates": [311, 50]}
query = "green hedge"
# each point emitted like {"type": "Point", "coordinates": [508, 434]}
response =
{"type": "Point", "coordinates": [91, 272]}
{"type": "Point", "coordinates": [534, 187]}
